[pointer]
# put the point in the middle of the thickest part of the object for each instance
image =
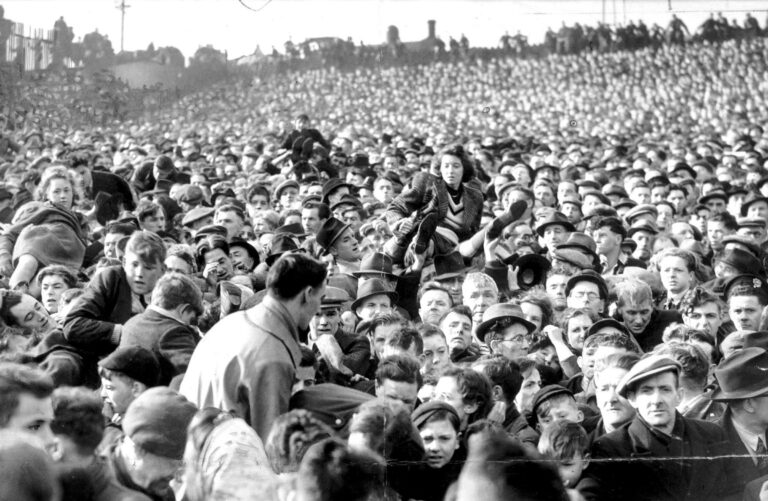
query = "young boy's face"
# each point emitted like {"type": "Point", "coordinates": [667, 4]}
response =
{"type": "Point", "coordinates": [562, 408]}
{"type": "Point", "coordinates": [570, 470]}
{"type": "Point", "coordinates": [117, 393]}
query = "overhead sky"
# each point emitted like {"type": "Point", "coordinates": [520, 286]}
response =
{"type": "Point", "coordinates": [231, 26]}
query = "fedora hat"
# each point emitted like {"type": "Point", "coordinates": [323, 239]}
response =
{"type": "Point", "coordinates": [373, 287]}
{"type": "Point", "coordinates": [554, 218]}
{"type": "Point", "coordinates": [741, 260]}
{"type": "Point", "coordinates": [575, 257]}
{"type": "Point", "coordinates": [330, 232]}
{"type": "Point", "coordinates": [531, 270]}
{"type": "Point", "coordinates": [580, 241]}
{"type": "Point", "coordinates": [502, 311]}
{"type": "Point", "coordinates": [376, 264]}
{"type": "Point", "coordinates": [742, 375]}
{"type": "Point", "coordinates": [250, 249]}
{"type": "Point", "coordinates": [717, 194]}
{"type": "Point", "coordinates": [294, 229]}
{"type": "Point", "coordinates": [449, 266]}
{"type": "Point", "coordinates": [280, 244]}
{"type": "Point", "coordinates": [332, 185]}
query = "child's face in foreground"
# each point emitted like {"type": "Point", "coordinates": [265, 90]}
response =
{"type": "Point", "coordinates": [570, 470]}
{"type": "Point", "coordinates": [561, 409]}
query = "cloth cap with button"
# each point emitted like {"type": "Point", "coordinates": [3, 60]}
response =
{"type": "Point", "coordinates": [649, 366]}
{"type": "Point", "coordinates": [335, 296]}
{"type": "Point", "coordinates": [742, 375]}
{"type": "Point", "coordinates": [715, 195]}
{"type": "Point", "coordinates": [746, 284]}
{"type": "Point", "coordinates": [196, 214]}
{"type": "Point", "coordinates": [642, 225]}
{"type": "Point", "coordinates": [376, 263]}
{"type": "Point", "coordinates": [544, 394]}
{"type": "Point", "coordinates": [211, 229]}
{"type": "Point", "coordinates": [502, 311]}
{"type": "Point", "coordinates": [641, 210]}
{"type": "Point", "coordinates": [425, 411]}
{"type": "Point", "coordinates": [587, 276]}
{"type": "Point", "coordinates": [192, 194]}
{"type": "Point", "coordinates": [157, 422]}
{"type": "Point", "coordinates": [136, 362]}
{"type": "Point", "coordinates": [574, 257]}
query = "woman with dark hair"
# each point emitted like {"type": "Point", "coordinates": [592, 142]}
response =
{"type": "Point", "coordinates": [44, 232]}
{"type": "Point", "coordinates": [439, 208]}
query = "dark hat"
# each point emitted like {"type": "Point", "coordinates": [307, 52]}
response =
{"type": "Point", "coordinates": [589, 183]}
{"type": "Point", "coordinates": [226, 193]}
{"type": "Point", "coordinates": [682, 166]}
{"type": "Point", "coordinates": [752, 198]}
{"type": "Point", "coordinates": [552, 219]}
{"type": "Point", "coordinates": [607, 322]}
{"type": "Point", "coordinates": [250, 249]}
{"type": "Point", "coordinates": [288, 183]}
{"type": "Point", "coordinates": [756, 339]}
{"type": "Point", "coordinates": [640, 210]}
{"type": "Point", "coordinates": [742, 375]}
{"type": "Point", "coordinates": [211, 229]}
{"type": "Point", "coordinates": [280, 244]}
{"type": "Point", "coordinates": [752, 283]}
{"type": "Point", "coordinates": [531, 270]}
{"type": "Point", "coordinates": [164, 164]}
{"type": "Point", "coordinates": [350, 200]}
{"type": "Point", "coordinates": [642, 225]}
{"type": "Point", "coordinates": [136, 362]}
{"type": "Point", "coordinates": [751, 222]}
{"type": "Point", "coordinates": [544, 394]}
{"type": "Point", "coordinates": [330, 232]}
{"type": "Point", "coordinates": [715, 194]}
{"type": "Point", "coordinates": [5, 194]}
{"type": "Point", "coordinates": [157, 422]}
{"type": "Point", "coordinates": [294, 229]}
{"type": "Point", "coordinates": [449, 266]}
{"type": "Point", "coordinates": [747, 242]}
{"type": "Point", "coordinates": [334, 296]}
{"type": "Point", "coordinates": [741, 260]}
{"type": "Point", "coordinates": [625, 202]}
{"type": "Point", "coordinates": [331, 403]}
{"type": "Point", "coordinates": [502, 311]}
{"type": "Point", "coordinates": [196, 214]}
{"type": "Point", "coordinates": [333, 184]}
{"type": "Point", "coordinates": [372, 287]}
{"type": "Point", "coordinates": [630, 244]}
{"type": "Point", "coordinates": [192, 194]}
{"type": "Point", "coordinates": [588, 276]}
{"type": "Point", "coordinates": [614, 189]}
{"type": "Point", "coordinates": [645, 368]}
{"type": "Point", "coordinates": [377, 263]}
{"type": "Point", "coordinates": [427, 410]}
{"type": "Point", "coordinates": [598, 194]}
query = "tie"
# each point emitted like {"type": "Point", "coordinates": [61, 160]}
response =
{"type": "Point", "coordinates": [762, 455]}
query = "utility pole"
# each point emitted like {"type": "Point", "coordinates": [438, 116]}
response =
{"type": "Point", "coordinates": [122, 8]}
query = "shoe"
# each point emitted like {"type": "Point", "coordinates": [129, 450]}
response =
{"type": "Point", "coordinates": [515, 212]}
{"type": "Point", "coordinates": [425, 233]}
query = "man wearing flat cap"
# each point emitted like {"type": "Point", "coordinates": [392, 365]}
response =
{"type": "Point", "coordinates": [659, 455]}
{"type": "Point", "coordinates": [747, 296]}
{"type": "Point", "coordinates": [743, 386]}
{"type": "Point", "coordinates": [151, 453]}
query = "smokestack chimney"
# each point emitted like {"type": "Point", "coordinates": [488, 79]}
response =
{"type": "Point", "coordinates": [431, 33]}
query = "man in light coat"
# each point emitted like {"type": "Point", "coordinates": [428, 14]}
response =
{"type": "Point", "coordinates": [247, 362]}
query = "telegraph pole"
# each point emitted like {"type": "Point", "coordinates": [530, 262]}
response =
{"type": "Point", "coordinates": [122, 8]}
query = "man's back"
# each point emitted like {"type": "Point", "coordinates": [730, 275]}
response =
{"type": "Point", "coordinates": [247, 364]}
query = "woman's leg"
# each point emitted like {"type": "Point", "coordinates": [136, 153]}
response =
{"type": "Point", "coordinates": [25, 271]}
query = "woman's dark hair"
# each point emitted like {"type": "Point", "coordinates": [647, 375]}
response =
{"type": "Point", "coordinates": [292, 272]}
{"type": "Point", "coordinates": [9, 299]}
{"type": "Point", "coordinates": [292, 434]}
{"type": "Point", "coordinates": [456, 150]}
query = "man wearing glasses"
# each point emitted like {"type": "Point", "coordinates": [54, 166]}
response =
{"type": "Point", "coordinates": [506, 331]}
{"type": "Point", "coordinates": [587, 290]}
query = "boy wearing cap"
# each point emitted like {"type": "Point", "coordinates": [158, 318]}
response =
{"type": "Point", "coordinates": [553, 404]}
{"type": "Point", "coordinates": [659, 454]}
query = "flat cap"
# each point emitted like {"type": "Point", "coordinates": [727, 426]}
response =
{"type": "Point", "coordinates": [645, 368]}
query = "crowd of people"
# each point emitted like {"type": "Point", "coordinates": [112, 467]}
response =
{"type": "Point", "coordinates": [535, 279]}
